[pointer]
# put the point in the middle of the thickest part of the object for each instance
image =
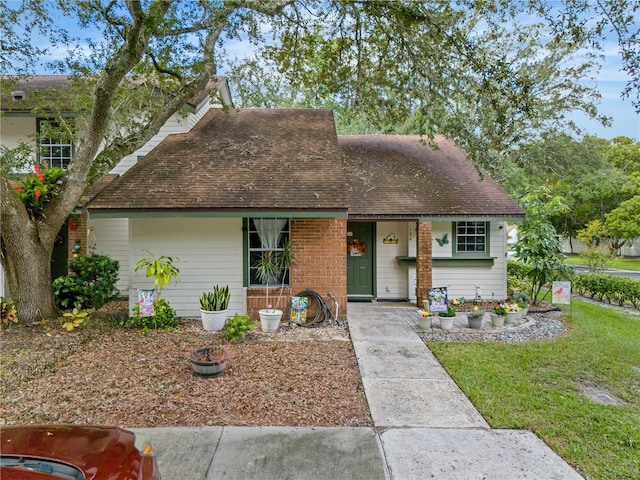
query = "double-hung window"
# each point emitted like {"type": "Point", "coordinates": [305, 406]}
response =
{"type": "Point", "coordinates": [55, 146]}
{"type": "Point", "coordinates": [471, 238]}
{"type": "Point", "coordinates": [266, 234]}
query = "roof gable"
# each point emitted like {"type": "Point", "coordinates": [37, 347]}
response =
{"type": "Point", "coordinates": [240, 160]}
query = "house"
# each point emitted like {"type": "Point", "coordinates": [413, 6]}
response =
{"type": "Point", "coordinates": [368, 217]}
{"type": "Point", "coordinates": [22, 117]}
{"type": "Point", "coordinates": [384, 217]}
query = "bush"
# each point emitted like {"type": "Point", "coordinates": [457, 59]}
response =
{"type": "Point", "coordinates": [91, 284]}
{"type": "Point", "coordinates": [236, 328]}
{"type": "Point", "coordinates": [164, 317]}
{"type": "Point", "coordinates": [613, 289]}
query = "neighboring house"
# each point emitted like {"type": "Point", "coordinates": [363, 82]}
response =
{"type": "Point", "coordinates": [368, 217]}
{"type": "Point", "coordinates": [21, 117]}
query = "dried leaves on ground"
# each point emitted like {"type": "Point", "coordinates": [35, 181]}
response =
{"type": "Point", "coordinates": [297, 377]}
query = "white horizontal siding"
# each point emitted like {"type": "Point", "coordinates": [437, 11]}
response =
{"type": "Point", "coordinates": [176, 124]}
{"type": "Point", "coordinates": [14, 129]}
{"type": "Point", "coordinates": [207, 251]}
{"type": "Point", "coordinates": [112, 238]}
{"type": "Point", "coordinates": [462, 281]}
{"type": "Point", "coordinates": [391, 279]}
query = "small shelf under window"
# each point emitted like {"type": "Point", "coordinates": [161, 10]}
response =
{"type": "Point", "coordinates": [406, 261]}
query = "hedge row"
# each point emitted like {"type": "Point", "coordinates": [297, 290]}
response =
{"type": "Point", "coordinates": [605, 287]}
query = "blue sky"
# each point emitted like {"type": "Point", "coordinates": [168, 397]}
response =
{"type": "Point", "coordinates": [611, 82]}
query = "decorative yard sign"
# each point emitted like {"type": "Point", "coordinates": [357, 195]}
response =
{"type": "Point", "coordinates": [299, 306]}
{"type": "Point", "coordinates": [145, 299]}
{"type": "Point", "coordinates": [561, 292]}
{"type": "Point", "coordinates": [438, 299]}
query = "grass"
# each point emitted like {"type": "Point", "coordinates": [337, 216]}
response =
{"type": "Point", "coordinates": [620, 263]}
{"type": "Point", "coordinates": [537, 386]}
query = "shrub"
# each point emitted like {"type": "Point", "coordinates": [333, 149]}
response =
{"type": "Point", "coordinates": [9, 313]}
{"type": "Point", "coordinates": [164, 317]}
{"type": "Point", "coordinates": [236, 328]}
{"type": "Point", "coordinates": [91, 283]}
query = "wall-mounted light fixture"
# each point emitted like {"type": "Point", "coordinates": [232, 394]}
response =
{"type": "Point", "coordinates": [76, 248]}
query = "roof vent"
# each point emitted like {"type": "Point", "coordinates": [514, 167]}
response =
{"type": "Point", "coordinates": [17, 95]}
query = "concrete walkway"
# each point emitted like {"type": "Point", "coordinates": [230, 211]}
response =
{"type": "Point", "coordinates": [424, 427]}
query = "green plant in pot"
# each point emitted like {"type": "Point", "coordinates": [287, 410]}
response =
{"type": "Point", "coordinates": [214, 306]}
{"type": "Point", "coordinates": [475, 317]}
{"type": "Point", "coordinates": [273, 264]}
{"type": "Point", "coordinates": [447, 317]}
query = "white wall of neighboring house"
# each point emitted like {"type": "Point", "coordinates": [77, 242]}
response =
{"type": "Point", "coordinates": [111, 235]}
{"type": "Point", "coordinates": [207, 251]}
{"type": "Point", "coordinates": [575, 246]}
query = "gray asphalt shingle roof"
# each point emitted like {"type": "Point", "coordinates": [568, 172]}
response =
{"type": "Point", "coordinates": [291, 160]}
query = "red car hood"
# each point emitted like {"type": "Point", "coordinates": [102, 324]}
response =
{"type": "Point", "coordinates": [92, 449]}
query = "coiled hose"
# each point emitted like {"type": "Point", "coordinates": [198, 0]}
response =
{"type": "Point", "coordinates": [323, 312]}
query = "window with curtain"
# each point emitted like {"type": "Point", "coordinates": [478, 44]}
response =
{"type": "Point", "coordinates": [471, 237]}
{"type": "Point", "coordinates": [266, 234]}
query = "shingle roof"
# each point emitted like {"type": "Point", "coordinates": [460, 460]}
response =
{"type": "Point", "coordinates": [38, 90]}
{"type": "Point", "coordinates": [242, 160]}
{"type": "Point", "coordinates": [401, 176]}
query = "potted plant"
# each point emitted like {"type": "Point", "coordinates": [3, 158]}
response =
{"type": "Point", "coordinates": [447, 317]}
{"type": "Point", "coordinates": [424, 319]}
{"type": "Point", "coordinates": [475, 317]}
{"type": "Point", "coordinates": [273, 264]}
{"type": "Point", "coordinates": [523, 300]}
{"type": "Point", "coordinates": [209, 361]}
{"type": "Point", "coordinates": [512, 313]}
{"type": "Point", "coordinates": [214, 307]}
{"type": "Point", "coordinates": [498, 315]}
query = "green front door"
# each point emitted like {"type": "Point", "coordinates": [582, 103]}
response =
{"type": "Point", "coordinates": [360, 254]}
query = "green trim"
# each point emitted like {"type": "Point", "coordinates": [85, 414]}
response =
{"type": "Point", "coordinates": [473, 218]}
{"type": "Point", "coordinates": [206, 214]}
{"type": "Point", "coordinates": [245, 252]}
{"type": "Point", "coordinates": [463, 262]}
{"type": "Point", "coordinates": [406, 261]}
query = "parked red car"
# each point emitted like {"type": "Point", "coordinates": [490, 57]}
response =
{"type": "Point", "coordinates": [74, 452]}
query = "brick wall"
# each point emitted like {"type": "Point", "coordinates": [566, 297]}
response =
{"type": "Point", "coordinates": [77, 226]}
{"type": "Point", "coordinates": [319, 246]}
{"type": "Point", "coordinates": [424, 262]}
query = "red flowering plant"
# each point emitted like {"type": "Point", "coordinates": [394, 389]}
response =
{"type": "Point", "coordinates": [38, 188]}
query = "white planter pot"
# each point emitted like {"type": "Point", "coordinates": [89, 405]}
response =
{"type": "Point", "coordinates": [511, 318]}
{"type": "Point", "coordinates": [213, 321]}
{"type": "Point", "coordinates": [497, 320]}
{"type": "Point", "coordinates": [270, 320]}
{"type": "Point", "coordinates": [446, 323]}
{"type": "Point", "coordinates": [424, 322]}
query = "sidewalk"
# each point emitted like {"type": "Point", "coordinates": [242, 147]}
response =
{"type": "Point", "coordinates": [424, 427]}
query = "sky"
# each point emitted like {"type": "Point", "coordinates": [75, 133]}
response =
{"type": "Point", "coordinates": [611, 82]}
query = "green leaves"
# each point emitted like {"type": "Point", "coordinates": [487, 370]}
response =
{"type": "Point", "coordinates": [161, 269]}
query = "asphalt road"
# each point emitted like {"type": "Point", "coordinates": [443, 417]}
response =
{"type": "Point", "coordinates": [618, 273]}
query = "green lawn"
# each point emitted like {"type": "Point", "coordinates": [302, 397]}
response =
{"type": "Point", "coordinates": [536, 386]}
{"type": "Point", "coordinates": [618, 263]}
